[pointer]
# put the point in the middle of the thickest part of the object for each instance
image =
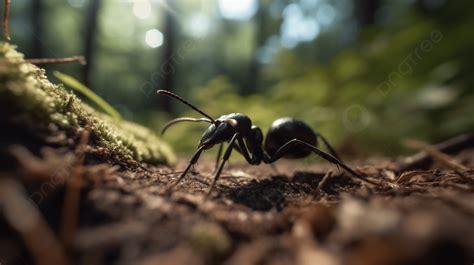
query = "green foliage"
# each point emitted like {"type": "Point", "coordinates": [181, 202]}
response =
{"type": "Point", "coordinates": [28, 99]}
{"type": "Point", "coordinates": [406, 81]}
{"type": "Point", "coordinates": [336, 82]}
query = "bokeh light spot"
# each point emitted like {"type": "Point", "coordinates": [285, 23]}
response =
{"type": "Point", "coordinates": [325, 14]}
{"type": "Point", "coordinates": [297, 27]}
{"type": "Point", "coordinates": [237, 9]}
{"type": "Point", "coordinates": [154, 38]}
{"type": "Point", "coordinates": [198, 25]}
{"type": "Point", "coordinates": [142, 9]}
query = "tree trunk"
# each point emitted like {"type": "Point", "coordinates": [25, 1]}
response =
{"type": "Point", "coordinates": [168, 65]}
{"type": "Point", "coordinates": [37, 25]}
{"type": "Point", "coordinates": [365, 12]}
{"type": "Point", "coordinates": [260, 38]}
{"type": "Point", "coordinates": [91, 28]}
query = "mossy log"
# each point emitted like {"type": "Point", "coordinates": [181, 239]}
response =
{"type": "Point", "coordinates": [29, 101]}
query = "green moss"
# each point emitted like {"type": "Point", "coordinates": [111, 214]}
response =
{"type": "Point", "coordinates": [28, 99]}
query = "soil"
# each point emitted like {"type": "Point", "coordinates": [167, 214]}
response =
{"type": "Point", "coordinates": [61, 208]}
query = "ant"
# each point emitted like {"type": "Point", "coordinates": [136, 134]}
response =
{"type": "Point", "coordinates": [286, 138]}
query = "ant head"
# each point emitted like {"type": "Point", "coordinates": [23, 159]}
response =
{"type": "Point", "coordinates": [208, 135]}
{"type": "Point", "coordinates": [217, 132]}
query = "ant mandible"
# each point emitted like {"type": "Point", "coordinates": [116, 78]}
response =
{"type": "Point", "coordinates": [286, 138]}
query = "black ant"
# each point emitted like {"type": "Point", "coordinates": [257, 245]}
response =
{"type": "Point", "coordinates": [286, 138]}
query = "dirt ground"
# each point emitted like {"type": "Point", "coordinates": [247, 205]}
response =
{"type": "Point", "coordinates": [61, 208]}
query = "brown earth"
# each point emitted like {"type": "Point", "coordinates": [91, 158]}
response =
{"type": "Point", "coordinates": [61, 208]}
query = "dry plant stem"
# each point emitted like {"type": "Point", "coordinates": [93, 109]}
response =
{"type": "Point", "coordinates": [441, 157]}
{"type": "Point", "coordinates": [70, 216]}
{"type": "Point", "coordinates": [407, 176]}
{"type": "Point", "coordinates": [73, 59]}
{"type": "Point", "coordinates": [6, 13]}
{"type": "Point", "coordinates": [32, 167]}
{"type": "Point", "coordinates": [422, 160]}
{"type": "Point", "coordinates": [82, 146]}
{"type": "Point", "coordinates": [6, 36]}
{"type": "Point", "coordinates": [323, 181]}
{"type": "Point", "coordinates": [27, 221]}
{"type": "Point", "coordinates": [72, 196]}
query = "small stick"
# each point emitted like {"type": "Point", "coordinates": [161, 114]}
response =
{"type": "Point", "coordinates": [82, 145]}
{"type": "Point", "coordinates": [6, 13]}
{"type": "Point", "coordinates": [25, 218]}
{"type": "Point", "coordinates": [441, 157]}
{"type": "Point", "coordinates": [72, 195]}
{"type": "Point", "coordinates": [73, 59]}
{"type": "Point", "coordinates": [323, 181]}
{"type": "Point", "coordinates": [70, 216]}
{"type": "Point", "coordinates": [178, 172]}
{"type": "Point", "coordinates": [408, 175]}
{"type": "Point", "coordinates": [422, 160]}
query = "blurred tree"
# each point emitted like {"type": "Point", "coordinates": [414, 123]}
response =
{"type": "Point", "coordinates": [91, 28]}
{"type": "Point", "coordinates": [168, 66]}
{"type": "Point", "coordinates": [36, 15]}
{"type": "Point", "coordinates": [261, 35]}
{"type": "Point", "coordinates": [330, 75]}
{"type": "Point", "coordinates": [365, 12]}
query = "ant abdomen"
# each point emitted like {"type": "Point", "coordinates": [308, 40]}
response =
{"type": "Point", "coordinates": [286, 129]}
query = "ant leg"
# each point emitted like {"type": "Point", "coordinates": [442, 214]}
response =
{"type": "Point", "coordinates": [227, 154]}
{"type": "Point", "coordinates": [219, 153]}
{"type": "Point", "coordinates": [183, 174]}
{"type": "Point", "coordinates": [242, 148]}
{"type": "Point", "coordinates": [329, 147]}
{"type": "Point", "coordinates": [283, 149]}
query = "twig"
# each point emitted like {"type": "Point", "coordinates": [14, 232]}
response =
{"type": "Point", "coordinates": [422, 160]}
{"type": "Point", "coordinates": [178, 172]}
{"type": "Point", "coordinates": [6, 14]}
{"type": "Point", "coordinates": [72, 196]}
{"type": "Point", "coordinates": [441, 157]}
{"type": "Point", "coordinates": [408, 175]}
{"type": "Point", "coordinates": [82, 146]}
{"type": "Point", "coordinates": [323, 181]}
{"type": "Point", "coordinates": [27, 221]}
{"type": "Point", "coordinates": [73, 59]}
{"type": "Point", "coordinates": [70, 214]}
{"type": "Point", "coordinates": [433, 152]}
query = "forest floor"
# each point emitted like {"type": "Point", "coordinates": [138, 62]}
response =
{"type": "Point", "coordinates": [60, 207]}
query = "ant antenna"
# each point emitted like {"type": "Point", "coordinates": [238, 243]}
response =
{"type": "Point", "coordinates": [170, 94]}
{"type": "Point", "coordinates": [6, 12]}
{"type": "Point", "coordinates": [182, 119]}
